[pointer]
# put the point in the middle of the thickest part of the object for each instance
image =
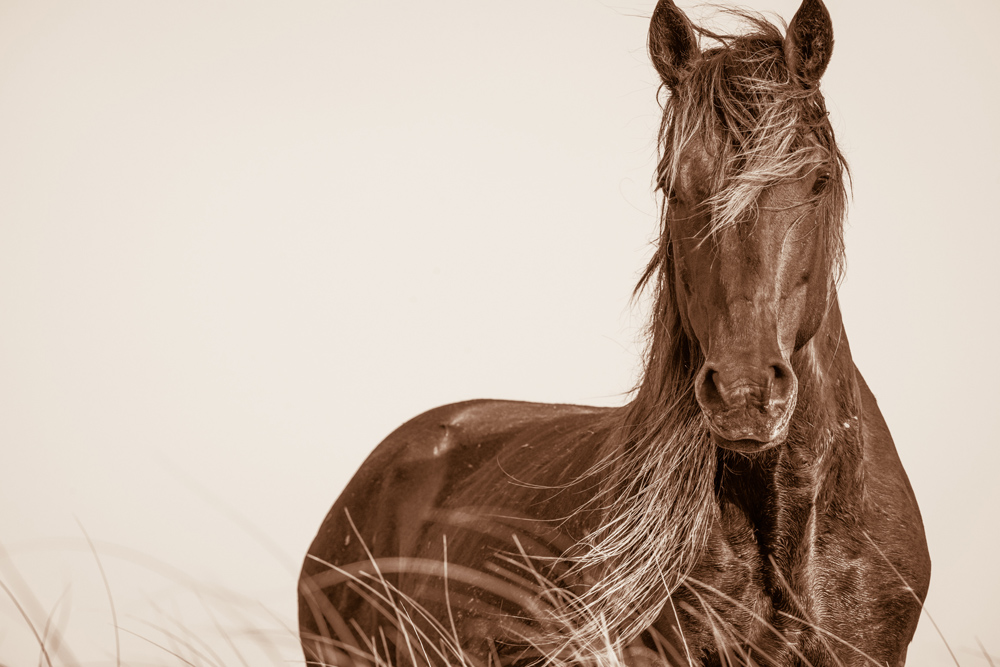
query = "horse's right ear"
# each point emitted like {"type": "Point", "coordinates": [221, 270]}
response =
{"type": "Point", "coordinates": [672, 43]}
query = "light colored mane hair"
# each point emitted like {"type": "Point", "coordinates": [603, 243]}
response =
{"type": "Point", "coordinates": [657, 508]}
{"type": "Point", "coordinates": [657, 475]}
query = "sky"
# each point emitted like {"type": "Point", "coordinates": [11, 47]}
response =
{"type": "Point", "coordinates": [241, 242]}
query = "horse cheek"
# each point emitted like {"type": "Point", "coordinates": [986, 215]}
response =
{"type": "Point", "coordinates": [813, 312]}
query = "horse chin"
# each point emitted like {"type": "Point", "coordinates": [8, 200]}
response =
{"type": "Point", "coordinates": [750, 436]}
{"type": "Point", "coordinates": [746, 445]}
{"type": "Point", "coordinates": [750, 429]}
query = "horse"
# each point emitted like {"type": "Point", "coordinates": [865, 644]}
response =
{"type": "Point", "coordinates": [745, 507]}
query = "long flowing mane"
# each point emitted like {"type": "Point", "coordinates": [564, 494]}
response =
{"type": "Point", "coordinates": [658, 471]}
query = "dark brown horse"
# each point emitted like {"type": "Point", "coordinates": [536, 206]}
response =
{"type": "Point", "coordinates": [747, 507]}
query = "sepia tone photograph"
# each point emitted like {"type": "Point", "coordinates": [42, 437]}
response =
{"type": "Point", "coordinates": [571, 333]}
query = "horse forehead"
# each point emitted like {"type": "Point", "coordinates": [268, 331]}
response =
{"type": "Point", "coordinates": [698, 166]}
{"type": "Point", "coordinates": [786, 199]}
{"type": "Point", "coordinates": [764, 236]}
{"type": "Point", "coordinates": [695, 164]}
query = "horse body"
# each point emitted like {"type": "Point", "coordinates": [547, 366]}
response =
{"type": "Point", "coordinates": [746, 507]}
{"type": "Point", "coordinates": [810, 556]}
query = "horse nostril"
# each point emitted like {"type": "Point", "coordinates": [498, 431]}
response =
{"type": "Point", "coordinates": [707, 392]}
{"type": "Point", "coordinates": [783, 383]}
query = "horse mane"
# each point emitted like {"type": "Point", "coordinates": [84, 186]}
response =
{"type": "Point", "coordinates": [657, 473]}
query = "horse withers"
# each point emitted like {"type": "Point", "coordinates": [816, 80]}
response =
{"type": "Point", "coordinates": [746, 507]}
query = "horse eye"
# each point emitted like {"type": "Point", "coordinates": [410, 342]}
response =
{"type": "Point", "coordinates": [820, 183]}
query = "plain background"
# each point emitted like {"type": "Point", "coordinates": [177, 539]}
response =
{"type": "Point", "coordinates": [240, 242]}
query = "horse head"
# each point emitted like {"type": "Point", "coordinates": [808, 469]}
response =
{"type": "Point", "coordinates": [752, 220]}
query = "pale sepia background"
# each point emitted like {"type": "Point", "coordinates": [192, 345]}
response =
{"type": "Point", "coordinates": [240, 242]}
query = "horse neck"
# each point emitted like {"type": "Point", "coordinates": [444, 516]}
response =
{"type": "Point", "coordinates": [818, 469]}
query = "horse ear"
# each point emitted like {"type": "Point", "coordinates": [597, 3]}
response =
{"type": "Point", "coordinates": [809, 42]}
{"type": "Point", "coordinates": [672, 44]}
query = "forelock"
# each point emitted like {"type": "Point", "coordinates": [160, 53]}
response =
{"type": "Point", "coordinates": [760, 124]}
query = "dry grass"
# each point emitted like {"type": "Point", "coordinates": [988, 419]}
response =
{"type": "Point", "coordinates": [546, 633]}
{"type": "Point", "coordinates": [192, 623]}
{"type": "Point", "coordinates": [98, 620]}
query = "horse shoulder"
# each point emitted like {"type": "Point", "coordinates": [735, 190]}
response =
{"type": "Point", "coordinates": [874, 566]}
{"type": "Point", "coordinates": [894, 517]}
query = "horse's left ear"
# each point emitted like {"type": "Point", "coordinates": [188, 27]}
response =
{"type": "Point", "coordinates": [809, 42]}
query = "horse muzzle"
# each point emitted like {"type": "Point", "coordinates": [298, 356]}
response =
{"type": "Point", "coordinates": [747, 408]}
